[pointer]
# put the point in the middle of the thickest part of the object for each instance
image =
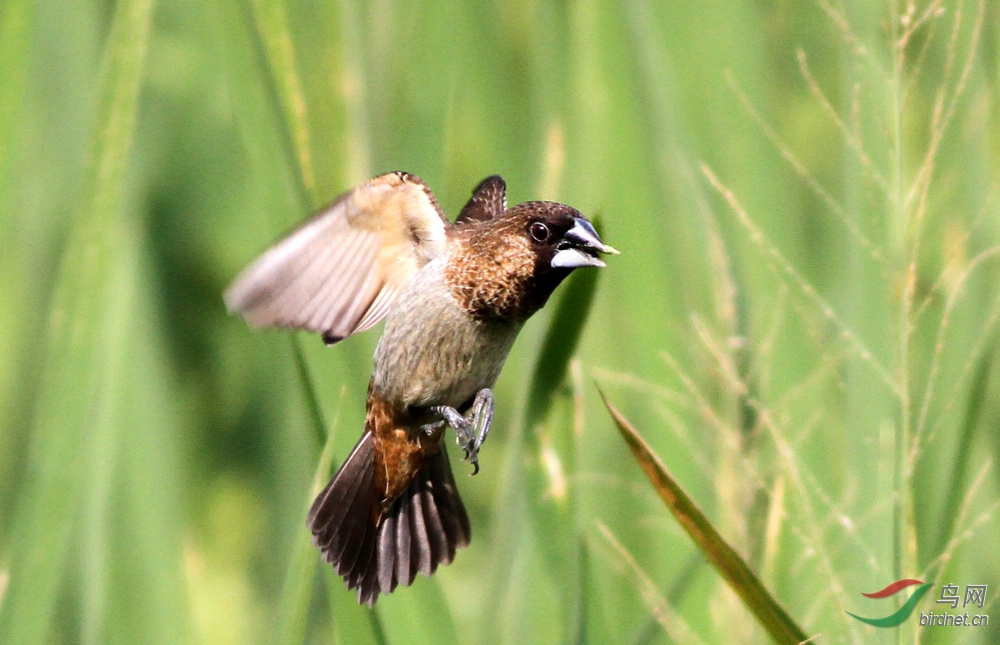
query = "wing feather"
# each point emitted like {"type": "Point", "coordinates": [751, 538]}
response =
{"type": "Point", "coordinates": [357, 269]}
{"type": "Point", "coordinates": [379, 307]}
{"type": "Point", "coordinates": [341, 271]}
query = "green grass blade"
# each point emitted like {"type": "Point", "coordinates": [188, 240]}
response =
{"type": "Point", "coordinates": [957, 489]}
{"type": "Point", "coordinates": [293, 608]}
{"type": "Point", "coordinates": [352, 623]}
{"type": "Point", "coordinates": [82, 351]}
{"type": "Point", "coordinates": [272, 26]}
{"type": "Point", "coordinates": [309, 391]}
{"type": "Point", "coordinates": [420, 614]}
{"type": "Point", "coordinates": [262, 128]}
{"type": "Point", "coordinates": [560, 343]}
{"type": "Point", "coordinates": [15, 37]}
{"type": "Point", "coordinates": [137, 530]}
{"type": "Point", "coordinates": [293, 605]}
{"type": "Point", "coordinates": [551, 439]}
{"type": "Point", "coordinates": [740, 577]}
{"type": "Point", "coordinates": [16, 18]}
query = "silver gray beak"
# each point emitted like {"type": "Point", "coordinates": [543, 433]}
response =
{"type": "Point", "coordinates": [580, 247]}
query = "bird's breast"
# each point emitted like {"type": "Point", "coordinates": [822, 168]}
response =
{"type": "Point", "coordinates": [433, 352]}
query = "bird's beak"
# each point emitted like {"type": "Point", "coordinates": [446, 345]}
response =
{"type": "Point", "coordinates": [580, 247]}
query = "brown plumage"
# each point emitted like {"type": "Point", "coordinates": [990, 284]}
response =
{"type": "Point", "coordinates": [454, 297]}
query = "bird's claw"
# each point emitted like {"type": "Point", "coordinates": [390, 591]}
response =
{"type": "Point", "coordinates": [471, 429]}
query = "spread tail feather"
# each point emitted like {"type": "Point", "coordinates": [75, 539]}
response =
{"type": "Point", "coordinates": [421, 530]}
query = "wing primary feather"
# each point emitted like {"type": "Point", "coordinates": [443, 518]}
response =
{"type": "Point", "coordinates": [354, 310]}
{"type": "Point", "coordinates": [298, 298]}
{"type": "Point", "coordinates": [347, 263]}
{"type": "Point", "coordinates": [378, 308]}
{"type": "Point", "coordinates": [319, 298]}
{"type": "Point", "coordinates": [331, 313]}
{"type": "Point", "coordinates": [258, 281]}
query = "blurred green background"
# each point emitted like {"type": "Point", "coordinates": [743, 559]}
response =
{"type": "Point", "coordinates": [802, 323]}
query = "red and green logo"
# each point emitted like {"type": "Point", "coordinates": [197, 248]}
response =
{"type": "Point", "coordinates": [901, 614]}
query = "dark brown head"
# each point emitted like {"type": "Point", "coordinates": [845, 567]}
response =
{"type": "Point", "coordinates": [508, 263]}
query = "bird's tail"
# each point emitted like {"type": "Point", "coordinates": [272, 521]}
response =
{"type": "Point", "coordinates": [421, 530]}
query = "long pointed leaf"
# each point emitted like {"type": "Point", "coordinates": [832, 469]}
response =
{"type": "Point", "coordinates": [734, 569]}
{"type": "Point", "coordinates": [83, 316]}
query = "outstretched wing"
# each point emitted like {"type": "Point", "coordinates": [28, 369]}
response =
{"type": "Point", "coordinates": [488, 200]}
{"type": "Point", "coordinates": [340, 272]}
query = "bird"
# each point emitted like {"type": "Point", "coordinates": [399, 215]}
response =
{"type": "Point", "coordinates": [454, 297]}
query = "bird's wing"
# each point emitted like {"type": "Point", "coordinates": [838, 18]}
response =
{"type": "Point", "coordinates": [488, 200]}
{"type": "Point", "coordinates": [340, 272]}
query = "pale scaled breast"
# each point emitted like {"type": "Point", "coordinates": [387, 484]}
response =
{"type": "Point", "coordinates": [432, 352]}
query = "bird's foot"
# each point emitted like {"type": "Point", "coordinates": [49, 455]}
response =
{"type": "Point", "coordinates": [471, 429]}
{"type": "Point", "coordinates": [480, 418]}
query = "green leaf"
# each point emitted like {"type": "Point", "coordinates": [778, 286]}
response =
{"type": "Point", "coordinates": [733, 568]}
{"type": "Point", "coordinates": [560, 343]}
{"type": "Point", "coordinates": [15, 38]}
{"type": "Point", "coordinates": [80, 409]}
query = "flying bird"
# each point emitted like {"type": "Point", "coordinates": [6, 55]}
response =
{"type": "Point", "coordinates": [454, 296]}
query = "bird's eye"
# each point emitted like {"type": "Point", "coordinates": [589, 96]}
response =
{"type": "Point", "coordinates": [539, 232]}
